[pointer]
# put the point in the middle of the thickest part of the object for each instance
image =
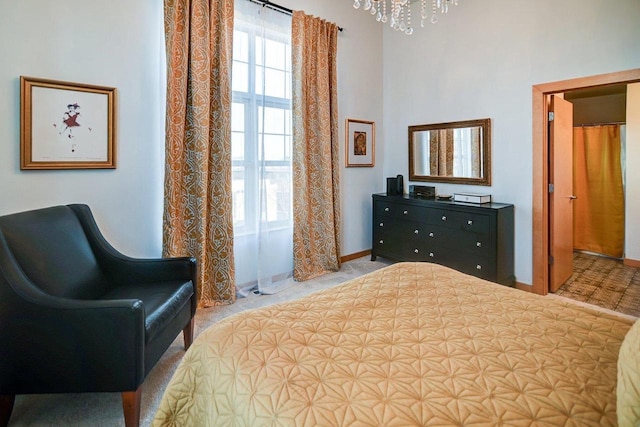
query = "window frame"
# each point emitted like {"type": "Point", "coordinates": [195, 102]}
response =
{"type": "Point", "coordinates": [252, 102]}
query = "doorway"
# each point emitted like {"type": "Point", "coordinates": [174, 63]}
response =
{"type": "Point", "coordinates": [542, 158]}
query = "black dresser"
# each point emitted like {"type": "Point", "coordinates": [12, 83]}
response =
{"type": "Point", "coordinates": [474, 239]}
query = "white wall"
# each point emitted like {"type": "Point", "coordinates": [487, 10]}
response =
{"type": "Point", "coordinates": [632, 190]}
{"type": "Point", "coordinates": [481, 61]}
{"type": "Point", "coordinates": [118, 44]}
{"type": "Point", "coordinates": [359, 97]}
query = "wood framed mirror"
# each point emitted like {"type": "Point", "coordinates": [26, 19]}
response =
{"type": "Point", "coordinates": [454, 152]}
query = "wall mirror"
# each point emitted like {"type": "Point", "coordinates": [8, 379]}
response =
{"type": "Point", "coordinates": [456, 152]}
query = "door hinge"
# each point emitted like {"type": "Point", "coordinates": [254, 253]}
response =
{"type": "Point", "coordinates": [550, 188]}
{"type": "Point", "coordinates": [550, 259]}
{"type": "Point", "coordinates": [550, 116]}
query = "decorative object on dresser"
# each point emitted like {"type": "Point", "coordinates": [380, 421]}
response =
{"type": "Point", "coordinates": [474, 239]}
{"type": "Point", "coordinates": [472, 198]}
{"type": "Point", "coordinates": [395, 186]}
{"type": "Point", "coordinates": [422, 191]}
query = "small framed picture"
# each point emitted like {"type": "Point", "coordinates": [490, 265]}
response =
{"type": "Point", "coordinates": [360, 143]}
{"type": "Point", "coordinates": [66, 125]}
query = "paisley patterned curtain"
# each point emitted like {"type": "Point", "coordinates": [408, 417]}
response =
{"type": "Point", "coordinates": [441, 152]}
{"type": "Point", "coordinates": [316, 202]}
{"type": "Point", "coordinates": [198, 206]}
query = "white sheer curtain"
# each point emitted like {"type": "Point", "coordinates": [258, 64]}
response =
{"type": "Point", "coordinates": [261, 129]}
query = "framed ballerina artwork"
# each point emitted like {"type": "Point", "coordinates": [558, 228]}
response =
{"type": "Point", "coordinates": [66, 125]}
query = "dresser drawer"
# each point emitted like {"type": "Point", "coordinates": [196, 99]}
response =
{"type": "Point", "coordinates": [458, 239]}
{"type": "Point", "coordinates": [403, 229]}
{"type": "Point", "coordinates": [384, 209]}
{"type": "Point", "coordinates": [474, 222]}
{"type": "Point", "coordinates": [478, 265]}
{"type": "Point", "coordinates": [397, 246]}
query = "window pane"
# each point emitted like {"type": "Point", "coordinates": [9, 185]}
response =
{"type": "Point", "coordinates": [240, 77]}
{"type": "Point", "coordinates": [240, 46]}
{"type": "Point", "coordinates": [237, 131]}
{"type": "Point", "coordinates": [278, 185]}
{"type": "Point", "coordinates": [259, 53]}
{"type": "Point", "coordinates": [275, 83]}
{"type": "Point", "coordinates": [274, 147]}
{"type": "Point", "coordinates": [275, 54]}
{"type": "Point", "coordinates": [287, 148]}
{"type": "Point", "coordinates": [237, 145]}
{"type": "Point", "coordinates": [237, 117]}
{"type": "Point", "coordinates": [274, 119]}
{"type": "Point", "coordinates": [259, 78]}
{"type": "Point", "coordinates": [237, 187]}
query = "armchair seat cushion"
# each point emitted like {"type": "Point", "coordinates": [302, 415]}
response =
{"type": "Point", "coordinates": [162, 302]}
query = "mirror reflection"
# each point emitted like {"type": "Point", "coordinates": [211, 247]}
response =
{"type": "Point", "coordinates": [450, 152]}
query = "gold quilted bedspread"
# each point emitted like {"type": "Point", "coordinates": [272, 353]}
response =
{"type": "Point", "coordinates": [411, 344]}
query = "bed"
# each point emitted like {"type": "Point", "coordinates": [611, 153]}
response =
{"type": "Point", "coordinates": [410, 344]}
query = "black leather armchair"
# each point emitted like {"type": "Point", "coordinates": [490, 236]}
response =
{"type": "Point", "coordinates": [78, 316]}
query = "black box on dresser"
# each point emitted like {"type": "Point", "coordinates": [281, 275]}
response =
{"type": "Point", "coordinates": [477, 239]}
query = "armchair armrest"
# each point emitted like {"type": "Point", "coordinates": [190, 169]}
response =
{"type": "Point", "coordinates": [55, 339]}
{"type": "Point", "coordinates": [125, 269]}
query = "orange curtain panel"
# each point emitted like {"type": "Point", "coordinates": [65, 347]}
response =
{"type": "Point", "coordinates": [198, 217]}
{"type": "Point", "coordinates": [316, 201]}
{"type": "Point", "coordinates": [598, 211]}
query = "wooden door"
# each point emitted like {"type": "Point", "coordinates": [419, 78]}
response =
{"type": "Point", "coordinates": [560, 192]}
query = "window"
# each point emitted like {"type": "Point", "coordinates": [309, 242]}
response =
{"type": "Point", "coordinates": [261, 128]}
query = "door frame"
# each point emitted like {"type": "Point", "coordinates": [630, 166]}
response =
{"type": "Point", "coordinates": [540, 112]}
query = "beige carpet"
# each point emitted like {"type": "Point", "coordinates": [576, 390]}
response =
{"type": "Point", "coordinates": [105, 409]}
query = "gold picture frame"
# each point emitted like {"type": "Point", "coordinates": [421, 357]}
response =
{"type": "Point", "coordinates": [360, 143]}
{"type": "Point", "coordinates": [66, 125]}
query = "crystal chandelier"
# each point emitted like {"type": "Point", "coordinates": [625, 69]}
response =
{"type": "Point", "coordinates": [398, 12]}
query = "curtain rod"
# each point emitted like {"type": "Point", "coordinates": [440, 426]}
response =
{"type": "Point", "coordinates": [600, 124]}
{"type": "Point", "coordinates": [273, 6]}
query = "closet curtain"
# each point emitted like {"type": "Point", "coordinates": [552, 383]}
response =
{"type": "Point", "coordinates": [598, 210]}
{"type": "Point", "coordinates": [316, 202]}
{"type": "Point", "coordinates": [197, 218]}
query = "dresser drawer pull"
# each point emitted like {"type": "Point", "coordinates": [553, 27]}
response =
{"type": "Point", "coordinates": [405, 212]}
{"type": "Point", "coordinates": [479, 244]}
{"type": "Point", "coordinates": [416, 251]}
{"type": "Point", "coordinates": [416, 232]}
{"type": "Point", "coordinates": [430, 234]}
{"type": "Point", "coordinates": [469, 222]}
{"type": "Point", "coordinates": [381, 242]}
{"type": "Point", "coordinates": [478, 267]}
{"type": "Point", "coordinates": [444, 218]}
{"type": "Point", "coordinates": [431, 254]}
{"type": "Point", "coordinates": [382, 224]}
{"type": "Point", "coordinates": [386, 209]}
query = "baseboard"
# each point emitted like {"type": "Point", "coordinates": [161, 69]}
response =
{"type": "Point", "coordinates": [524, 287]}
{"type": "Point", "coordinates": [356, 255]}
{"type": "Point", "coordinates": [631, 262]}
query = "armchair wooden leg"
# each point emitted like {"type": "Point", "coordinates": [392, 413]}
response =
{"type": "Point", "coordinates": [131, 407]}
{"type": "Point", "coordinates": [6, 407]}
{"type": "Point", "coordinates": [187, 333]}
